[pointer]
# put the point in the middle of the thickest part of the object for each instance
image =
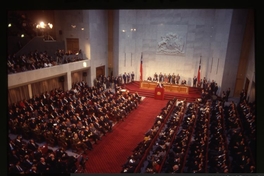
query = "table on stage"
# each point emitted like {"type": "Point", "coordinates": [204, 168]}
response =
{"type": "Point", "coordinates": [159, 93]}
{"type": "Point", "coordinates": [182, 89]}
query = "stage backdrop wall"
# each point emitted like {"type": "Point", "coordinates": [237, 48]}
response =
{"type": "Point", "coordinates": [173, 41]}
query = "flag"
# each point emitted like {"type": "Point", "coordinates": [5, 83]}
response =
{"type": "Point", "coordinates": [199, 72]}
{"type": "Point", "coordinates": [141, 69]}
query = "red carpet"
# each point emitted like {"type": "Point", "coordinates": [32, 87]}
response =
{"type": "Point", "coordinates": [111, 153]}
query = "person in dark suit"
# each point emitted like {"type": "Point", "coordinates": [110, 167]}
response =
{"type": "Point", "coordinates": [177, 78]}
{"type": "Point", "coordinates": [132, 76]}
{"type": "Point", "coordinates": [161, 77]}
{"type": "Point", "coordinates": [42, 166]}
{"type": "Point", "coordinates": [19, 141]}
{"type": "Point", "coordinates": [85, 139]}
{"type": "Point", "coordinates": [98, 126]}
{"type": "Point", "coordinates": [92, 132]}
{"type": "Point", "coordinates": [27, 163]}
{"type": "Point", "coordinates": [11, 145]}
{"type": "Point", "coordinates": [14, 157]}
{"type": "Point", "coordinates": [194, 81]}
{"type": "Point", "coordinates": [125, 78]}
{"type": "Point", "coordinates": [52, 162]}
{"type": "Point", "coordinates": [17, 169]}
{"type": "Point", "coordinates": [106, 126]}
{"type": "Point", "coordinates": [32, 145]}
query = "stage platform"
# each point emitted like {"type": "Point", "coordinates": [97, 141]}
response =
{"type": "Point", "coordinates": [190, 94]}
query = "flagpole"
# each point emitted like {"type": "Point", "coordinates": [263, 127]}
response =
{"type": "Point", "coordinates": [141, 69]}
{"type": "Point", "coordinates": [199, 71]}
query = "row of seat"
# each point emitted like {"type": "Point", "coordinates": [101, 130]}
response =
{"type": "Point", "coordinates": [135, 161]}
{"type": "Point", "coordinates": [241, 156]}
{"type": "Point", "coordinates": [29, 157]}
{"type": "Point", "coordinates": [208, 138]}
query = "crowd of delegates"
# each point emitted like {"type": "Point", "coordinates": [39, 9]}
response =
{"type": "Point", "coordinates": [247, 116]}
{"type": "Point", "coordinates": [196, 160]}
{"type": "Point", "coordinates": [212, 137]}
{"type": "Point", "coordinates": [218, 151]}
{"type": "Point", "coordinates": [31, 158]}
{"type": "Point", "coordinates": [39, 59]}
{"type": "Point", "coordinates": [135, 158]}
{"type": "Point", "coordinates": [179, 148]}
{"type": "Point", "coordinates": [239, 143]}
{"type": "Point", "coordinates": [159, 151]}
{"type": "Point", "coordinates": [72, 119]}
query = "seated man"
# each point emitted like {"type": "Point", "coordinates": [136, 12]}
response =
{"type": "Point", "coordinates": [183, 82]}
{"type": "Point", "coordinates": [149, 78]}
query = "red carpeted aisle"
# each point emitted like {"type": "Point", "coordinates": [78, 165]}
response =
{"type": "Point", "coordinates": [112, 151]}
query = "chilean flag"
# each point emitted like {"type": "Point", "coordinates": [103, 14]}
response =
{"type": "Point", "coordinates": [141, 69]}
{"type": "Point", "coordinates": [199, 73]}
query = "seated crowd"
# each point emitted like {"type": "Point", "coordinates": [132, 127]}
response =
{"type": "Point", "coordinates": [163, 142]}
{"type": "Point", "coordinates": [73, 119]}
{"type": "Point", "coordinates": [39, 59]}
{"type": "Point", "coordinates": [31, 158]}
{"type": "Point", "coordinates": [207, 138]}
{"type": "Point", "coordinates": [239, 143]}
{"type": "Point", "coordinates": [196, 160]}
{"type": "Point", "coordinates": [135, 159]}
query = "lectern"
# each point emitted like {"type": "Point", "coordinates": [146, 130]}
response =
{"type": "Point", "coordinates": [159, 93]}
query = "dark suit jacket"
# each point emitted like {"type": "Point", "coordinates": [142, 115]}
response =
{"type": "Point", "coordinates": [15, 170]}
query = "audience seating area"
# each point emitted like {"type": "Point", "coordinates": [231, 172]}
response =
{"type": "Point", "coordinates": [71, 120]}
{"type": "Point", "coordinates": [205, 136]}
{"type": "Point", "coordinates": [31, 158]}
{"type": "Point", "coordinates": [39, 59]}
{"type": "Point", "coordinates": [208, 135]}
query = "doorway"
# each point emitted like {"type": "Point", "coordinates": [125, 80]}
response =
{"type": "Point", "coordinates": [100, 71]}
{"type": "Point", "coordinates": [72, 45]}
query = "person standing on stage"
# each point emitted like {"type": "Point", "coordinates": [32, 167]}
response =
{"type": "Point", "coordinates": [128, 77]}
{"type": "Point", "coordinates": [132, 76]}
{"type": "Point", "coordinates": [125, 77]}
{"type": "Point", "coordinates": [178, 79]}
{"type": "Point", "coordinates": [194, 81]}
{"type": "Point", "coordinates": [173, 78]}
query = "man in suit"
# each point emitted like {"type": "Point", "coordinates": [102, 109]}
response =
{"type": "Point", "coordinates": [92, 132]}
{"type": "Point", "coordinates": [17, 169]}
{"type": "Point", "coordinates": [161, 77]}
{"type": "Point", "coordinates": [42, 166]}
{"type": "Point", "coordinates": [125, 78]}
{"type": "Point", "coordinates": [132, 76]}
{"type": "Point", "coordinates": [27, 163]}
{"type": "Point", "coordinates": [14, 157]}
{"type": "Point", "coordinates": [32, 145]}
{"type": "Point", "coordinates": [19, 141]}
{"type": "Point", "coordinates": [98, 126]}
{"type": "Point", "coordinates": [194, 81]}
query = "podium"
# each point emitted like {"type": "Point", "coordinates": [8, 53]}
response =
{"type": "Point", "coordinates": [159, 93]}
